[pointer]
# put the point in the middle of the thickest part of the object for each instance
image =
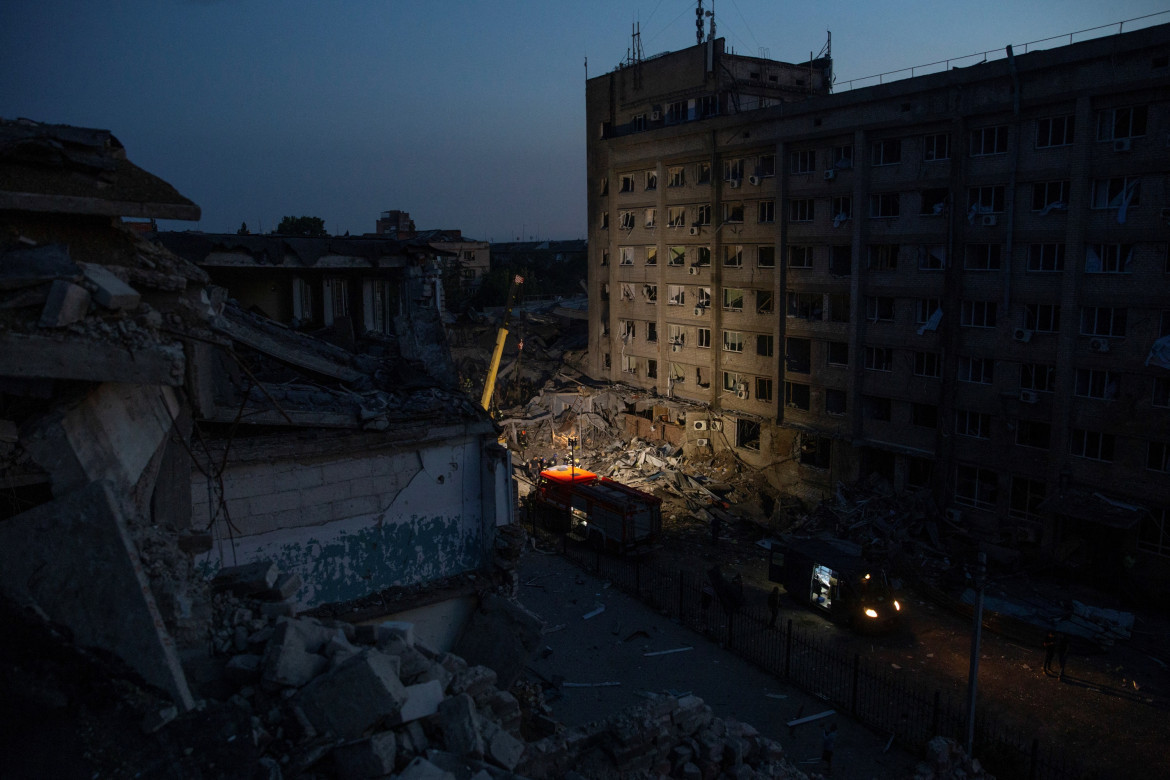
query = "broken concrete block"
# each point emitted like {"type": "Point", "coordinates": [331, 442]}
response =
{"type": "Point", "coordinates": [246, 579]}
{"type": "Point", "coordinates": [109, 290]}
{"type": "Point", "coordinates": [287, 584]}
{"type": "Point", "coordinates": [367, 758]}
{"type": "Point", "coordinates": [243, 669]}
{"type": "Point", "coordinates": [355, 696]}
{"type": "Point", "coordinates": [414, 664]}
{"type": "Point", "coordinates": [67, 303]}
{"type": "Point", "coordinates": [458, 722]}
{"type": "Point", "coordinates": [502, 635]}
{"type": "Point", "coordinates": [437, 672]}
{"type": "Point", "coordinates": [422, 700]}
{"type": "Point", "coordinates": [412, 739]}
{"type": "Point", "coordinates": [293, 654]}
{"type": "Point", "coordinates": [421, 769]}
{"type": "Point", "coordinates": [478, 681]}
{"type": "Point", "coordinates": [502, 748]}
{"type": "Point", "coordinates": [452, 663]}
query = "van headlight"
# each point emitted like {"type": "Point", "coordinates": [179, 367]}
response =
{"type": "Point", "coordinates": [897, 606]}
{"type": "Point", "coordinates": [871, 612]}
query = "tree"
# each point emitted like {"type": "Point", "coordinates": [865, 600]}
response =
{"type": "Point", "coordinates": [243, 231]}
{"type": "Point", "coordinates": [301, 226]}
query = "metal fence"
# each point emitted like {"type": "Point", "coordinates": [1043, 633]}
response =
{"type": "Point", "coordinates": [911, 715]}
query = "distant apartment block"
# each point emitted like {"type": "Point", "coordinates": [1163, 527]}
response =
{"type": "Point", "coordinates": [957, 281]}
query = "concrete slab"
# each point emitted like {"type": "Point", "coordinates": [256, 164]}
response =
{"type": "Point", "coordinates": [422, 700]}
{"type": "Point", "coordinates": [109, 290]}
{"type": "Point", "coordinates": [67, 303]}
{"type": "Point", "coordinates": [74, 559]}
{"type": "Point", "coordinates": [355, 696]}
{"type": "Point", "coordinates": [460, 727]}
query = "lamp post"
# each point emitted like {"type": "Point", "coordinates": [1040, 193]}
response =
{"type": "Point", "coordinates": [572, 458]}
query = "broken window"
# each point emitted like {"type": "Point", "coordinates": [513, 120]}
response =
{"type": "Point", "coordinates": [733, 299]}
{"type": "Point", "coordinates": [604, 257]}
{"type": "Point", "coordinates": [627, 291]}
{"type": "Point", "coordinates": [1045, 258]}
{"type": "Point", "coordinates": [975, 425]}
{"type": "Point", "coordinates": [924, 308]}
{"type": "Point", "coordinates": [627, 253]}
{"type": "Point", "coordinates": [842, 209]}
{"type": "Point", "coordinates": [835, 401]}
{"type": "Point", "coordinates": [1116, 193]}
{"type": "Point", "coordinates": [934, 201]}
{"type": "Point", "coordinates": [764, 344]}
{"type": "Point", "coordinates": [976, 487]}
{"type": "Point", "coordinates": [977, 370]}
{"type": "Point", "coordinates": [651, 255]}
{"type": "Point", "coordinates": [379, 304]}
{"type": "Point", "coordinates": [336, 299]}
{"type": "Point", "coordinates": [982, 257]}
{"type": "Point", "coordinates": [801, 210]}
{"type": "Point", "coordinates": [629, 364]}
{"type": "Point", "coordinates": [1050, 196]}
{"type": "Point", "coordinates": [766, 257]}
{"type": "Point", "coordinates": [843, 156]}
{"type": "Point", "coordinates": [1042, 317]}
{"type": "Point", "coordinates": [797, 396]}
{"type": "Point", "coordinates": [1054, 131]}
{"type": "Point", "coordinates": [302, 300]}
{"type": "Point", "coordinates": [879, 307]}
{"type": "Point", "coordinates": [650, 218]}
{"type": "Point", "coordinates": [838, 353]}
{"type": "Point", "coordinates": [651, 331]}
{"type": "Point", "coordinates": [1095, 383]}
{"type": "Point", "coordinates": [650, 293]}
{"type": "Point", "coordinates": [986, 200]}
{"type": "Point", "coordinates": [883, 257]}
{"type": "Point", "coordinates": [1034, 433]}
{"type": "Point", "coordinates": [677, 373]}
{"type": "Point", "coordinates": [626, 330]}
{"type": "Point", "coordinates": [703, 215]}
{"type": "Point", "coordinates": [800, 256]}
{"type": "Point", "coordinates": [1103, 321]}
{"type": "Point", "coordinates": [638, 123]}
{"type": "Point", "coordinates": [603, 221]}
{"type": "Point", "coordinates": [805, 306]}
{"type": "Point", "coordinates": [989, 140]}
{"type": "Point", "coordinates": [887, 152]}
{"type": "Point", "coordinates": [626, 220]}
{"type": "Point", "coordinates": [763, 301]}
{"type": "Point", "coordinates": [676, 295]}
{"type": "Point", "coordinates": [651, 368]}
{"type": "Point", "coordinates": [747, 434]}
{"type": "Point", "coordinates": [651, 180]}
{"type": "Point", "coordinates": [977, 314]}
{"type": "Point", "coordinates": [884, 205]}
{"type": "Point", "coordinates": [705, 338]}
{"type": "Point", "coordinates": [936, 146]}
{"type": "Point", "coordinates": [676, 216]}
{"type": "Point", "coordinates": [924, 415]}
{"type": "Point", "coordinates": [879, 359]}
{"type": "Point", "coordinates": [678, 176]}
{"type": "Point", "coordinates": [704, 297]}
{"type": "Point", "coordinates": [676, 112]}
{"type": "Point", "coordinates": [733, 211]}
{"type": "Point", "coordinates": [733, 170]}
{"type": "Point", "coordinates": [927, 364]}
{"type": "Point", "coordinates": [704, 258]}
{"type": "Point", "coordinates": [703, 173]}
{"type": "Point", "coordinates": [627, 183]}
{"type": "Point", "coordinates": [678, 256]}
{"type": "Point", "coordinates": [1040, 377]}
{"type": "Point", "coordinates": [732, 341]}
{"type": "Point", "coordinates": [1118, 123]}
{"type": "Point", "coordinates": [1091, 445]}
{"type": "Point", "coordinates": [932, 258]}
{"type": "Point", "coordinates": [676, 335]}
{"type": "Point", "coordinates": [733, 256]}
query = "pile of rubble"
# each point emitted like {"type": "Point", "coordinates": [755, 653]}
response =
{"type": "Point", "coordinates": [946, 760]}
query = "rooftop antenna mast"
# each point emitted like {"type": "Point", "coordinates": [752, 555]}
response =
{"type": "Point", "coordinates": [699, 14]}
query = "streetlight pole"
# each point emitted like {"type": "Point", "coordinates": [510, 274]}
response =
{"type": "Point", "coordinates": [976, 635]}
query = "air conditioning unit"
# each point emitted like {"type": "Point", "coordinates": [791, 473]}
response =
{"type": "Point", "coordinates": [655, 116]}
{"type": "Point", "coordinates": [699, 425]}
{"type": "Point", "coordinates": [693, 231]}
{"type": "Point", "coordinates": [1099, 345]}
{"type": "Point", "coordinates": [1029, 396]}
{"type": "Point", "coordinates": [830, 174]}
{"type": "Point", "coordinates": [715, 425]}
{"type": "Point", "coordinates": [754, 181]}
{"type": "Point", "coordinates": [1122, 145]}
{"type": "Point", "coordinates": [733, 183]}
{"type": "Point", "coordinates": [988, 220]}
{"type": "Point", "coordinates": [1022, 334]}
{"type": "Point", "coordinates": [675, 347]}
{"type": "Point", "coordinates": [741, 394]}
{"type": "Point", "coordinates": [698, 311]}
{"type": "Point", "coordinates": [954, 515]}
{"type": "Point", "coordinates": [702, 442]}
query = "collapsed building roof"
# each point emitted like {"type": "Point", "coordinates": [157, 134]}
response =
{"type": "Point", "coordinates": [228, 249]}
{"type": "Point", "coordinates": [77, 170]}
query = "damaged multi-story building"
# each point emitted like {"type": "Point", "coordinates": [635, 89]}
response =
{"type": "Point", "coordinates": [957, 281]}
{"type": "Point", "coordinates": [156, 426]}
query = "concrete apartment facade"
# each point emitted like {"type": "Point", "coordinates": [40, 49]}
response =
{"type": "Point", "coordinates": [954, 281]}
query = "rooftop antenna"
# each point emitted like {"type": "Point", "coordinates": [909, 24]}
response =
{"type": "Point", "coordinates": [699, 23]}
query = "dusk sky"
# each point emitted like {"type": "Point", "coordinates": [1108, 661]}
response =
{"type": "Point", "coordinates": [466, 114]}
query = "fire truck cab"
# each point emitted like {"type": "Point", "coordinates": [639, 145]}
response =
{"type": "Point", "coordinates": [588, 507]}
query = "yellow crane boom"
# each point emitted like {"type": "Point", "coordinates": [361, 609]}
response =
{"type": "Point", "coordinates": [489, 386]}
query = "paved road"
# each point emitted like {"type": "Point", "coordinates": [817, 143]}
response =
{"type": "Point", "coordinates": [610, 647]}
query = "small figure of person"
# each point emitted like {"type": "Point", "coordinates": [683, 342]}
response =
{"type": "Point", "coordinates": [1049, 645]}
{"type": "Point", "coordinates": [1062, 652]}
{"type": "Point", "coordinates": [827, 746]}
{"type": "Point", "coordinates": [774, 606]}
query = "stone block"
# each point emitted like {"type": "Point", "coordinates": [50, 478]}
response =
{"type": "Point", "coordinates": [458, 722]}
{"type": "Point", "coordinates": [422, 700]}
{"type": "Point", "coordinates": [501, 748]}
{"type": "Point", "coordinates": [355, 696]}
{"type": "Point", "coordinates": [477, 681]}
{"type": "Point", "coordinates": [246, 579]}
{"type": "Point", "coordinates": [109, 290]}
{"type": "Point", "coordinates": [243, 669]}
{"type": "Point", "coordinates": [414, 664]}
{"type": "Point", "coordinates": [412, 739]}
{"type": "Point", "coordinates": [367, 758]}
{"type": "Point", "coordinates": [67, 303]}
{"type": "Point", "coordinates": [421, 769]}
{"type": "Point", "coordinates": [295, 653]}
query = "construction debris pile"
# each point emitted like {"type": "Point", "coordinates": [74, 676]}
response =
{"type": "Point", "coordinates": [946, 760]}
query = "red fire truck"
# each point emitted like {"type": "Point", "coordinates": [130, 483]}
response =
{"type": "Point", "coordinates": [588, 507]}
